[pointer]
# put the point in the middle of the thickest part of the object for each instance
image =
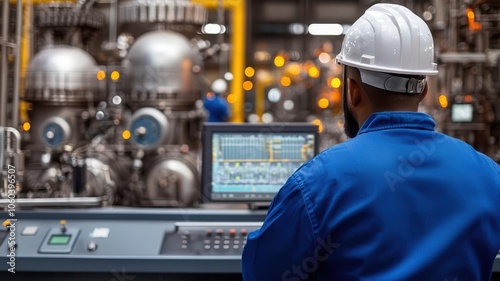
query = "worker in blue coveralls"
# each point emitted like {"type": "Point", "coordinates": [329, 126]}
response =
{"type": "Point", "coordinates": [398, 201]}
{"type": "Point", "coordinates": [215, 104]}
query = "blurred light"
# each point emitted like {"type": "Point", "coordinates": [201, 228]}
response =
{"type": "Point", "coordinates": [323, 103]}
{"type": "Point", "coordinates": [101, 75]}
{"type": "Point", "coordinates": [126, 134]}
{"type": "Point", "coordinates": [26, 126]}
{"type": "Point", "coordinates": [288, 105]}
{"type": "Point", "coordinates": [285, 81]}
{"type": "Point", "coordinates": [274, 95]}
{"type": "Point", "coordinates": [249, 72]}
{"type": "Point", "coordinates": [115, 75]}
{"type": "Point", "coordinates": [336, 97]}
{"type": "Point", "coordinates": [231, 98]}
{"type": "Point", "coordinates": [313, 72]}
{"type": "Point", "coordinates": [296, 28]}
{"type": "Point", "coordinates": [468, 98]}
{"type": "Point", "coordinates": [443, 101]}
{"type": "Point", "coordinates": [293, 68]}
{"type": "Point", "coordinates": [473, 25]}
{"type": "Point", "coordinates": [318, 123]}
{"type": "Point", "coordinates": [228, 76]}
{"type": "Point", "coordinates": [247, 85]}
{"type": "Point", "coordinates": [262, 56]}
{"type": "Point", "coordinates": [335, 83]}
{"type": "Point", "coordinates": [427, 16]}
{"type": "Point", "coordinates": [117, 100]}
{"type": "Point", "coordinates": [470, 14]}
{"type": "Point", "coordinates": [267, 117]}
{"type": "Point", "coordinates": [340, 124]}
{"type": "Point", "coordinates": [253, 118]}
{"type": "Point", "coordinates": [213, 28]}
{"type": "Point", "coordinates": [325, 29]}
{"type": "Point", "coordinates": [324, 57]}
{"type": "Point", "coordinates": [279, 61]}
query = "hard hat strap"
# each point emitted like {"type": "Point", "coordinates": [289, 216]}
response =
{"type": "Point", "coordinates": [392, 83]}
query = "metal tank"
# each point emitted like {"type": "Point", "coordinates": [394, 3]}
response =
{"type": "Point", "coordinates": [63, 87]}
{"type": "Point", "coordinates": [164, 91]}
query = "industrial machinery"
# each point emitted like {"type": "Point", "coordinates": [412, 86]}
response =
{"type": "Point", "coordinates": [117, 175]}
{"type": "Point", "coordinates": [163, 91]}
{"type": "Point", "coordinates": [94, 138]}
{"type": "Point", "coordinates": [467, 35]}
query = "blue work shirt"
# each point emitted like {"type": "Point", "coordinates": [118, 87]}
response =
{"type": "Point", "coordinates": [398, 202]}
{"type": "Point", "coordinates": [217, 108]}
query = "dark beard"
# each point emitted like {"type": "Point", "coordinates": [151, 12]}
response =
{"type": "Point", "coordinates": [351, 127]}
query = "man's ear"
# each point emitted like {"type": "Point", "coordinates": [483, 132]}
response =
{"type": "Point", "coordinates": [354, 92]}
{"type": "Point", "coordinates": [424, 93]}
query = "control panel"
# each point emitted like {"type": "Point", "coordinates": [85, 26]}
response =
{"type": "Point", "coordinates": [207, 238]}
{"type": "Point", "coordinates": [125, 244]}
{"type": "Point", "coordinates": [160, 244]}
{"type": "Point", "coordinates": [59, 240]}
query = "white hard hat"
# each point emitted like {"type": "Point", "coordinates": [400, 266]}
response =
{"type": "Point", "coordinates": [219, 86]}
{"type": "Point", "coordinates": [389, 38]}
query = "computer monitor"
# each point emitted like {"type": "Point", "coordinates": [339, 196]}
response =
{"type": "Point", "coordinates": [462, 112]}
{"type": "Point", "coordinates": [251, 162]}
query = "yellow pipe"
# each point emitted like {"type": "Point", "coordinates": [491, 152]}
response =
{"type": "Point", "coordinates": [25, 48]}
{"type": "Point", "coordinates": [25, 58]}
{"type": "Point", "coordinates": [214, 4]}
{"type": "Point", "coordinates": [237, 8]}
{"type": "Point", "coordinates": [238, 59]}
{"type": "Point", "coordinates": [25, 41]}
{"type": "Point", "coordinates": [259, 99]}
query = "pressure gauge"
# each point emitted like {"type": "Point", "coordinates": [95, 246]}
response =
{"type": "Point", "coordinates": [55, 132]}
{"type": "Point", "coordinates": [148, 128]}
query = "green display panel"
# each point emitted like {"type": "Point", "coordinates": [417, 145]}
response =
{"type": "Point", "coordinates": [59, 239]}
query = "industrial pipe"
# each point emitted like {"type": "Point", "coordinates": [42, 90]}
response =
{"type": "Point", "coordinates": [238, 29]}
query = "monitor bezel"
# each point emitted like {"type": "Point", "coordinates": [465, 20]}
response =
{"type": "Point", "coordinates": [207, 135]}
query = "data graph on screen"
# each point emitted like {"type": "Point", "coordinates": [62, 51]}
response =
{"type": "Point", "coordinates": [253, 165]}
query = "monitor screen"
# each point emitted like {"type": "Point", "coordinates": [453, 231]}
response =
{"type": "Point", "coordinates": [250, 162]}
{"type": "Point", "coordinates": [462, 112]}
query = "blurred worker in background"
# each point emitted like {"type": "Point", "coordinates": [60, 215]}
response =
{"type": "Point", "coordinates": [215, 103]}
{"type": "Point", "coordinates": [398, 201]}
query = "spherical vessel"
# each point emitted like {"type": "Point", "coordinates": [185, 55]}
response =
{"type": "Point", "coordinates": [62, 74]}
{"type": "Point", "coordinates": [162, 65]}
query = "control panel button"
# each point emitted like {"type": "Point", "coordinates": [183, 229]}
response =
{"type": "Point", "coordinates": [62, 224]}
{"type": "Point", "coordinates": [209, 239]}
{"type": "Point", "coordinates": [92, 246]}
{"type": "Point", "coordinates": [29, 230]}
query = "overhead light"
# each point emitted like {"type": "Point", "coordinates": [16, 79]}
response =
{"type": "Point", "coordinates": [296, 28]}
{"type": "Point", "coordinates": [325, 29]}
{"type": "Point", "coordinates": [324, 57]}
{"type": "Point", "coordinates": [213, 28]}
